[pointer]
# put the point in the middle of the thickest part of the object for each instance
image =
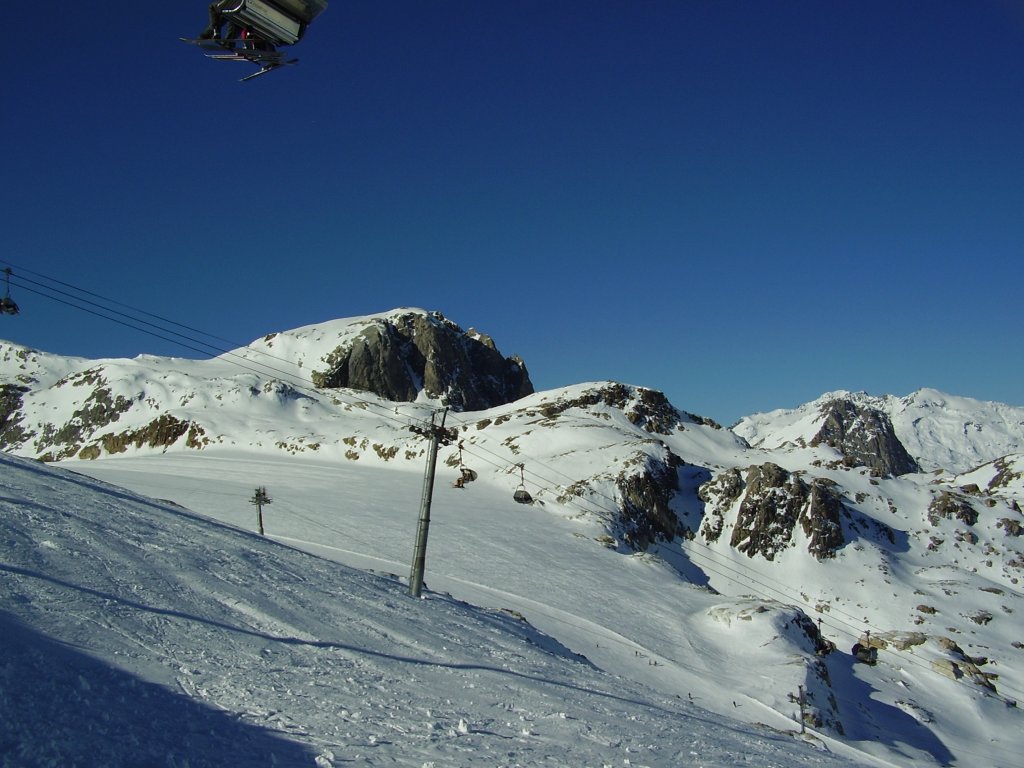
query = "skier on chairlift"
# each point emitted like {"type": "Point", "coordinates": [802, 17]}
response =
{"type": "Point", "coordinates": [212, 32]}
{"type": "Point", "coordinates": [252, 30]}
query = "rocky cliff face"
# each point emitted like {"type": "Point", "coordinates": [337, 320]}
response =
{"type": "Point", "coordinates": [772, 502]}
{"type": "Point", "coordinates": [399, 355]}
{"type": "Point", "coordinates": [865, 437]}
{"type": "Point", "coordinates": [645, 512]}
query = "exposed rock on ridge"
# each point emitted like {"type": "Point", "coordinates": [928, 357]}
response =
{"type": "Point", "coordinates": [865, 437]}
{"type": "Point", "coordinates": [774, 502]}
{"type": "Point", "coordinates": [397, 356]}
{"type": "Point", "coordinates": [645, 515]}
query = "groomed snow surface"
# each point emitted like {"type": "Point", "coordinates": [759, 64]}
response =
{"type": "Point", "coordinates": [134, 632]}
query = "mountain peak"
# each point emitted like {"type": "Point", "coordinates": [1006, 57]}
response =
{"type": "Point", "coordinates": [404, 355]}
{"type": "Point", "coordinates": [937, 430]}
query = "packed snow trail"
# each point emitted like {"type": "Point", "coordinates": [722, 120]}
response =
{"type": "Point", "coordinates": [135, 632]}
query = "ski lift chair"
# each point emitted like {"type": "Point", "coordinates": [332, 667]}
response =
{"type": "Point", "coordinates": [466, 475]}
{"type": "Point", "coordinates": [522, 495]}
{"type": "Point", "coordinates": [7, 305]}
{"type": "Point", "coordinates": [279, 22]}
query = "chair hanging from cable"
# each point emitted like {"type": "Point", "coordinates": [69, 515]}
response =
{"type": "Point", "coordinates": [466, 475]}
{"type": "Point", "coordinates": [522, 495]}
{"type": "Point", "coordinates": [7, 305]}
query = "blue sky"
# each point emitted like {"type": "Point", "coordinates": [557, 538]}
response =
{"type": "Point", "coordinates": [743, 204]}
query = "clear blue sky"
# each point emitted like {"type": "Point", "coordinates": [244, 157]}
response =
{"type": "Point", "coordinates": [743, 204]}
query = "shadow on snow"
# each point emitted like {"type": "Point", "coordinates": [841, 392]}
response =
{"type": "Point", "coordinates": [60, 706]}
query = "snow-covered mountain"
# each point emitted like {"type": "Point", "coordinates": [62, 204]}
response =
{"type": "Point", "coordinates": [697, 561]}
{"type": "Point", "coordinates": [940, 431]}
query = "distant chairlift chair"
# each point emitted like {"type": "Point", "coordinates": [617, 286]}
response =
{"type": "Point", "coordinates": [7, 305]}
{"type": "Point", "coordinates": [466, 475]}
{"type": "Point", "coordinates": [522, 495]}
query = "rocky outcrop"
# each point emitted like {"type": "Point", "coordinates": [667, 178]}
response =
{"type": "Point", "coordinates": [773, 502]}
{"type": "Point", "coordinates": [162, 432]}
{"type": "Point", "coordinates": [646, 408]}
{"type": "Point", "coordinates": [865, 437]}
{"type": "Point", "coordinates": [719, 495]}
{"type": "Point", "coordinates": [645, 516]}
{"type": "Point", "coordinates": [11, 396]}
{"type": "Point", "coordinates": [99, 409]}
{"type": "Point", "coordinates": [820, 519]}
{"type": "Point", "coordinates": [951, 506]}
{"type": "Point", "coordinates": [398, 356]}
{"type": "Point", "coordinates": [769, 511]}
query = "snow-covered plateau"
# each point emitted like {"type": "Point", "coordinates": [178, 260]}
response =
{"type": "Point", "coordinates": [676, 594]}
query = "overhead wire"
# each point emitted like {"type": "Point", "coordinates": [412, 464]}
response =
{"type": "Point", "coordinates": [297, 381]}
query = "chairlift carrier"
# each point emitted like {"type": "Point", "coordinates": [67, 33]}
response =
{"type": "Point", "coordinates": [7, 304]}
{"type": "Point", "coordinates": [522, 495]}
{"type": "Point", "coordinates": [466, 475]}
{"type": "Point", "coordinates": [279, 22]}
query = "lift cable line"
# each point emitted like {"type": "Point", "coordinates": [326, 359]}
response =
{"type": "Point", "coordinates": [115, 302]}
{"type": "Point", "coordinates": [202, 347]}
{"type": "Point", "coordinates": [750, 577]}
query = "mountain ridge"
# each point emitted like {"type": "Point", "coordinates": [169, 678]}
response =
{"type": "Point", "coordinates": [877, 553]}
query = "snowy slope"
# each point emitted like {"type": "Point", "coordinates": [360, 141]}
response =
{"type": "Point", "coordinates": [136, 633]}
{"type": "Point", "coordinates": [636, 616]}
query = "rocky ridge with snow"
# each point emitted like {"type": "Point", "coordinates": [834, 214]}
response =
{"type": "Point", "coordinates": [937, 431]}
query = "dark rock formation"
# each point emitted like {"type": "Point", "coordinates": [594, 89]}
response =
{"type": "Point", "coordinates": [950, 506]}
{"type": "Point", "coordinates": [1005, 473]}
{"type": "Point", "coordinates": [401, 355]}
{"type": "Point", "coordinates": [820, 519]}
{"type": "Point", "coordinates": [774, 502]}
{"type": "Point", "coordinates": [100, 409]}
{"type": "Point", "coordinates": [162, 432]}
{"type": "Point", "coordinates": [718, 495]}
{"type": "Point", "coordinates": [645, 516]}
{"type": "Point", "coordinates": [769, 511]}
{"type": "Point", "coordinates": [11, 397]}
{"type": "Point", "coordinates": [648, 409]}
{"type": "Point", "coordinates": [865, 437]}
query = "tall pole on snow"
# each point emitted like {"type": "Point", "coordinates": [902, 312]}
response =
{"type": "Point", "coordinates": [437, 435]}
{"type": "Point", "coordinates": [259, 498]}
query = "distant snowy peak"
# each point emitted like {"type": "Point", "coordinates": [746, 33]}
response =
{"type": "Point", "coordinates": [937, 430]}
{"type": "Point", "coordinates": [957, 433]}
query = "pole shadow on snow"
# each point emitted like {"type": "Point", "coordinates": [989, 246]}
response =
{"type": "Point", "coordinates": [59, 706]}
